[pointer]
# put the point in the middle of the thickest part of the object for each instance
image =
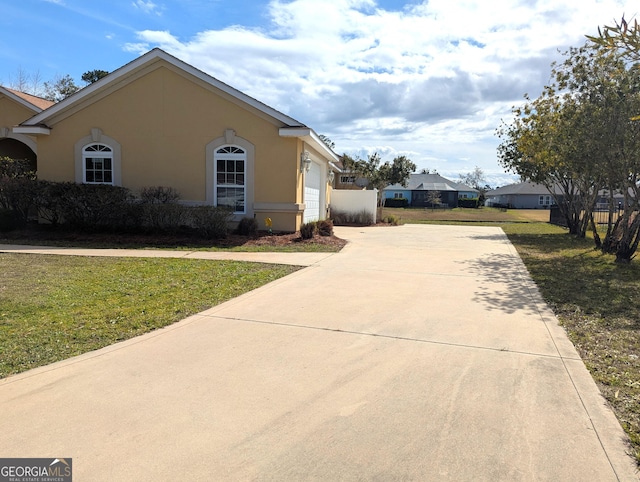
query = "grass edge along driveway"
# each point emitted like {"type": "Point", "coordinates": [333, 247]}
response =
{"type": "Point", "coordinates": [55, 307]}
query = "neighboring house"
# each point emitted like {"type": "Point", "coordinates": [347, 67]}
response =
{"type": "Point", "coordinates": [15, 107]}
{"type": "Point", "coordinates": [158, 121]}
{"type": "Point", "coordinates": [524, 195]}
{"type": "Point", "coordinates": [345, 179]}
{"type": "Point", "coordinates": [419, 186]}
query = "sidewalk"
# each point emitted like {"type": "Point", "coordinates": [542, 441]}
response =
{"type": "Point", "coordinates": [297, 259]}
{"type": "Point", "coordinates": [416, 353]}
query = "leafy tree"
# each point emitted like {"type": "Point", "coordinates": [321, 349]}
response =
{"type": "Point", "coordinates": [560, 139]}
{"type": "Point", "coordinates": [622, 37]}
{"type": "Point", "coordinates": [60, 88]}
{"type": "Point", "coordinates": [380, 175]}
{"type": "Point", "coordinates": [582, 135]}
{"type": "Point", "coordinates": [92, 76]}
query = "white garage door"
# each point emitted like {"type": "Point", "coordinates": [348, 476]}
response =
{"type": "Point", "coordinates": [312, 194]}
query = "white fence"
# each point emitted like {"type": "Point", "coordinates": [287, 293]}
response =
{"type": "Point", "coordinates": [355, 202]}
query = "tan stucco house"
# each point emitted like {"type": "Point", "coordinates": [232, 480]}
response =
{"type": "Point", "coordinates": [158, 121]}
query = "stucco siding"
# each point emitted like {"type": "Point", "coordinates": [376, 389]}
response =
{"type": "Point", "coordinates": [163, 121]}
{"type": "Point", "coordinates": [12, 113]}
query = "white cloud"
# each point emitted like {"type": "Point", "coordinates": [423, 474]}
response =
{"type": "Point", "coordinates": [433, 79]}
{"type": "Point", "coordinates": [147, 6]}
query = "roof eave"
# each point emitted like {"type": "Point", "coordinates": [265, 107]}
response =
{"type": "Point", "coordinates": [35, 130]}
{"type": "Point", "coordinates": [306, 134]}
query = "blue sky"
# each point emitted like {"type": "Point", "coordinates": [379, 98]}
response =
{"type": "Point", "coordinates": [427, 79]}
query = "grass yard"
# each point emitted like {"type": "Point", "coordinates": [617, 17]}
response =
{"type": "Point", "coordinates": [466, 215]}
{"type": "Point", "coordinates": [55, 307]}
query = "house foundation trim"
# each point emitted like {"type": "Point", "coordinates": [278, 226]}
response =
{"type": "Point", "coordinates": [278, 207]}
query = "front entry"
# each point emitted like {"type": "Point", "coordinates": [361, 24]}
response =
{"type": "Point", "coordinates": [15, 149]}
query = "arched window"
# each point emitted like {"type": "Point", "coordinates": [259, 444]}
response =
{"type": "Point", "coordinates": [230, 178]}
{"type": "Point", "coordinates": [97, 163]}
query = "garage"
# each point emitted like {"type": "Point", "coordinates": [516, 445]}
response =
{"type": "Point", "coordinates": [312, 193]}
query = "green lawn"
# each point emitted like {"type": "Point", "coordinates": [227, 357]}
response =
{"type": "Point", "coordinates": [55, 307]}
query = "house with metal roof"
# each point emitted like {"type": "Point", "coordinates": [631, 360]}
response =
{"type": "Point", "coordinates": [523, 195]}
{"type": "Point", "coordinates": [422, 188]}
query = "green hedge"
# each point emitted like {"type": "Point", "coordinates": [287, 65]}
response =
{"type": "Point", "coordinates": [468, 202]}
{"type": "Point", "coordinates": [102, 207]}
{"type": "Point", "coordinates": [396, 202]}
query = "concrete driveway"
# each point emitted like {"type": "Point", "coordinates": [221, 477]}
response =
{"type": "Point", "coordinates": [417, 353]}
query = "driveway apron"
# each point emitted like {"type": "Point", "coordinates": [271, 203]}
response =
{"type": "Point", "coordinates": [416, 353]}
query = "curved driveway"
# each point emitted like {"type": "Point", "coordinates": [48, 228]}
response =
{"type": "Point", "coordinates": [416, 353]}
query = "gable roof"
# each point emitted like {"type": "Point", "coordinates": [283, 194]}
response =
{"type": "Point", "coordinates": [33, 102]}
{"type": "Point", "coordinates": [430, 182]}
{"type": "Point", "coordinates": [146, 60]}
{"type": "Point", "coordinates": [289, 127]}
{"type": "Point", "coordinates": [522, 188]}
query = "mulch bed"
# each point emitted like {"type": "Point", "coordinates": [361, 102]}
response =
{"type": "Point", "coordinates": [39, 234]}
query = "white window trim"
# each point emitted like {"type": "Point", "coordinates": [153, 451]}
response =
{"type": "Point", "coordinates": [101, 154]}
{"type": "Point", "coordinates": [230, 139]}
{"type": "Point", "coordinates": [230, 157]}
{"type": "Point", "coordinates": [97, 137]}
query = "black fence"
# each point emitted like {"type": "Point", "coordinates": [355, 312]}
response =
{"type": "Point", "coordinates": [600, 216]}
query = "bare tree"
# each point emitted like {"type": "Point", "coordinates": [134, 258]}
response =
{"type": "Point", "coordinates": [29, 83]}
{"type": "Point", "coordinates": [434, 198]}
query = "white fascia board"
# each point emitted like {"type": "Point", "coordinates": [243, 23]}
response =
{"type": "Point", "coordinates": [307, 135]}
{"type": "Point", "coordinates": [33, 130]}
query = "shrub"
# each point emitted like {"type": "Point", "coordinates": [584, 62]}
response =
{"type": "Point", "coordinates": [396, 202]}
{"type": "Point", "coordinates": [247, 227]}
{"type": "Point", "coordinates": [159, 195]}
{"type": "Point", "coordinates": [8, 220]}
{"type": "Point", "coordinates": [342, 218]}
{"type": "Point", "coordinates": [18, 188]}
{"type": "Point", "coordinates": [210, 221]}
{"type": "Point", "coordinates": [49, 201]}
{"type": "Point", "coordinates": [307, 230]}
{"type": "Point", "coordinates": [468, 202]}
{"type": "Point", "coordinates": [89, 206]}
{"type": "Point", "coordinates": [325, 227]}
{"type": "Point", "coordinates": [392, 220]}
{"type": "Point", "coordinates": [166, 217]}
{"type": "Point", "coordinates": [19, 195]}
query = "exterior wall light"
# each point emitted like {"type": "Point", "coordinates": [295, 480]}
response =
{"type": "Point", "coordinates": [305, 162]}
{"type": "Point", "coordinates": [330, 177]}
